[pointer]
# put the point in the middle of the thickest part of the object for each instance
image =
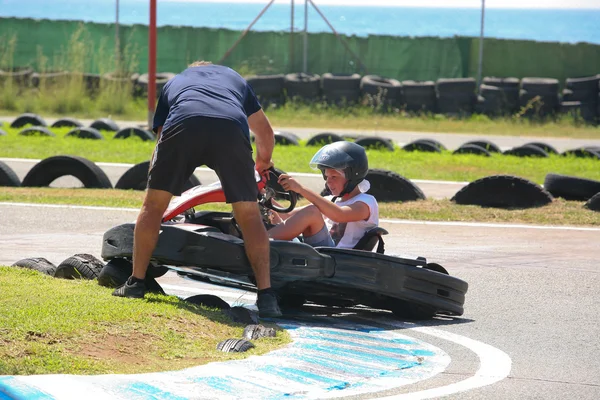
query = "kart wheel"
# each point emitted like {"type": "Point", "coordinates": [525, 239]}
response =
{"type": "Point", "coordinates": [405, 310]}
{"type": "Point", "coordinates": [436, 267]}
{"type": "Point", "coordinates": [291, 301]}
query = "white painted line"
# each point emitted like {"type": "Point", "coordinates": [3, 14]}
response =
{"type": "Point", "coordinates": [489, 225]}
{"type": "Point", "coordinates": [69, 206]}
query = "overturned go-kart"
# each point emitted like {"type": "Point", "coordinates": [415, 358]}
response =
{"type": "Point", "coordinates": [209, 246]}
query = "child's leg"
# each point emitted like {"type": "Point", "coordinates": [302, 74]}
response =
{"type": "Point", "coordinates": [307, 222]}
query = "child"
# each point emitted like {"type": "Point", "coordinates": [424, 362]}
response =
{"type": "Point", "coordinates": [340, 221]}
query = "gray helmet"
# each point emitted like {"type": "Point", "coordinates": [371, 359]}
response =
{"type": "Point", "coordinates": [346, 156]}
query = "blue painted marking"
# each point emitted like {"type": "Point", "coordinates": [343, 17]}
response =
{"type": "Point", "coordinates": [355, 369]}
{"type": "Point", "coordinates": [360, 336]}
{"type": "Point", "coordinates": [223, 384]}
{"type": "Point", "coordinates": [13, 389]}
{"type": "Point", "coordinates": [299, 375]}
{"type": "Point", "coordinates": [151, 392]}
{"type": "Point", "coordinates": [375, 358]}
{"type": "Point", "coordinates": [394, 350]}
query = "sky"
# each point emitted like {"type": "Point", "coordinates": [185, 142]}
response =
{"type": "Point", "coordinates": [569, 4]}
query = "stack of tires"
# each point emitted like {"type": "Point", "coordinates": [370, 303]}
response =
{"type": "Point", "coordinates": [269, 89]}
{"type": "Point", "coordinates": [581, 96]}
{"type": "Point", "coordinates": [538, 97]}
{"type": "Point", "coordinates": [419, 96]}
{"type": "Point", "coordinates": [341, 89]}
{"type": "Point", "coordinates": [503, 92]}
{"type": "Point", "coordinates": [381, 93]}
{"type": "Point", "coordinates": [302, 87]}
{"type": "Point", "coordinates": [140, 86]}
{"type": "Point", "coordinates": [456, 96]}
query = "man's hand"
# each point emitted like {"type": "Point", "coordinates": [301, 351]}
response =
{"type": "Point", "coordinates": [262, 165]}
{"type": "Point", "coordinates": [289, 183]}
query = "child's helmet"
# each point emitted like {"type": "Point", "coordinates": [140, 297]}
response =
{"type": "Point", "coordinates": [346, 156]}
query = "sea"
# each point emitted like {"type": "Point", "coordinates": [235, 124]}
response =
{"type": "Point", "coordinates": [547, 25]}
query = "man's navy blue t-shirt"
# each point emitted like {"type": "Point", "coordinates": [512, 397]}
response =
{"type": "Point", "coordinates": [208, 91]}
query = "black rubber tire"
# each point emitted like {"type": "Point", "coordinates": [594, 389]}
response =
{"type": "Point", "coordinates": [286, 139]}
{"type": "Point", "coordinates": [582, 153]}
{"type": "Point", "coordinates": [302, 86]}
{"type": "Point", "coordinates": [142, 82]}
{"type": "Point", "coordinates": [341, 89]}
{"type": "Point", "coordinates": [105, 124]}
{"type": "Point", "coordinates": [584, 84]}
{"type": "Point", "coordinates": [388, 186]}
{"type": "Point", "coordinates": [382, 91]}
{"type": "Point", "coordinates": [38, 264]}
{"type": "Point", "coordinates": [455, 85]}
{"type": "Point", "coordinates": [540, 86]}
{"type": "Point", "coordinates": [117, 270]}
{"type": "Point", "coordinates": [291, 301]}
{"type": "Point", "coordinates": [472, 149]}
{"type": "Point", "coordinates": [37, 131]}
{"type": "Point", "coordinates": [419, 96]}
{"type": "Point", "coordinates": [269, 89]}
{"type": "Point", "coordinates": [8, 177]}
{"type": "Point", "coordinates": [503, 191]}
{"type": "Point", "coordinates": [209, 301]}
{"type": "Point", "coordinates": [375, 143]}
{"type": "Point", "coordinates": [422, 145]}
{"type": "Point", "coordinates": [504, 83]}
{"type": "Point", "coordinates": [136, 178]}
{"type": "Point", "coordinates": [486, 144]}
{"type": "Point", "coordinates": [85, 133]}
{"type": "Point", "coordinates": [594, 202]}
{"type": "Point", "coordinates": [51, 168]}
{"type": "Point", "coordinates": [254, 332]}
{"type": "Point", "coordinates": [321, 139]}
{"type": "Point", "coordinates": [128, 132]}
{"type": "Point", "coordinates": [544, 146]}
{"type": "Point", "coordinates": [28, 119]}
{"type": "Point", "coordinates": [79, 266]}
{"type": "Point", "coordinates": [571, 187]}
{"type": "Point", "coordinates": [66, 123]}
{"type": "Point", "coordinates": [234, 345]}
{"type": "Point", "coordinates": [526, 151]}
{"type": "Point", "coordinates": [411, 311]}
{"type": "Point", "coordinates": [437, 268]}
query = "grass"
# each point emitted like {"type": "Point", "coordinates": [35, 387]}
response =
{"type": "Point", "coordinates": [413, 165]}
{"type": "Point", "coordinates": [559, 212]}
{"type": "Point", "coordinates": [50, 325]}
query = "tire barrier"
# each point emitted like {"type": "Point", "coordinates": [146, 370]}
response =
{"type": "Point", "coordinates": [49, 169]}
{"type": "Point", "coordinates": [28, 119]}
{"type": "Point", "coordinates": [136, 177]}
{"type": "Point", "coordinates": [594, 202]}
{"type": "Point", "coordinates": [66, 123]}
{"type": "Point", "coordinates": [341, 89]}
{"type": "Point", "coordinates": [301, 86]}
{"type": "Point", "coordinates": [8, 176]}
{"type": "Point", "coordinates": [105, 124]}
{"type": "Point", "coordinates": [209, 301]}
{"type": "Point", "coordinates": [387, 186]}
{"type": "Point", "coordinates": [538, 97]}
{"type": "Point", "coordinates": [419, 96]}
{"type": "Point", "coordinates": [286, 139]}
{"type": "Point", "coordinates": [503, 191]}
{"type": "Point", "coordinates": [140, 133]}
{"type": "Point", "coordinates": [37, 131]}
{"type": "Point", "coordinates": [526, 151]}
{"type": "Point", "coordinates": [140, 86]}
{"type": "Point", "coordinates": [486, 144]}
{"type": "Point", "coordinates": [381, 92]}
{"type": "Point", "coordinates": [85, 133]}
{"type": "Point", "coordinates": [19, 75]}
{"type": "Point", "coordinates": [571, 187]}
{"type": "Point", "coordinates": [375, 142]}
{"type": "Point", "coordinates": [585, 152]}
{"type": "Point", "coordinates": [37, 264]}
{"type": "Point", "coordinates": [79, 266]}
{"type": "Point", "coordinates": [472, 149]}
{"type": "Point", "coordinates": [426, 145]}
{"type": "Point", "coordinates": [544, 146]}
{"type": "Point", "coordinates": [268, 89]}
{"type": "Point", "coordinates": [58, 78]}
{"type": "Point", "coordinates": [321, 139]}
{"type": "Point", "coordinates": [456, 96]}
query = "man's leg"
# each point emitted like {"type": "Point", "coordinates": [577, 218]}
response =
{"type": "Point", "coordinates": [256, 245]}
{"type": "Point", "coordinates": [145, 237]}
{"type": "Point", "coordinates": [307, 221]}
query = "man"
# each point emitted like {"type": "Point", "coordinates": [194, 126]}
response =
{"type": "Point", "coordinates": [203, 117]}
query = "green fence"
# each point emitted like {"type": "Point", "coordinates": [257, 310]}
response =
{"type": "Point", "coordinates": [44, 44]}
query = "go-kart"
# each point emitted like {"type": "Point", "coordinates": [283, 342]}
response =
{"type": "Point", "coordinates": [209, 246]}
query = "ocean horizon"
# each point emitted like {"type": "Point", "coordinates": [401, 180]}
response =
{"type": "Point", "coordinates": [546, 25]}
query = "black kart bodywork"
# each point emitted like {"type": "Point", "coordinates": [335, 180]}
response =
{"type": "Point", "coordinates": [206, 245]}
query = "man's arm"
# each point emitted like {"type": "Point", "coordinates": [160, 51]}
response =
{"type": "Point", "coordinates": [265, 139]}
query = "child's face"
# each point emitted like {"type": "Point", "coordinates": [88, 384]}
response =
{"type": "Point", "coordinates": [335, 181]}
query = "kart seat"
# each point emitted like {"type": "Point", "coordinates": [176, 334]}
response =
{"type": "Point", "coordinates": [370, 238]}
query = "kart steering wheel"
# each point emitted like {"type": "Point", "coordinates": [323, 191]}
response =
{"type": "Point", "coordinates": [273, 190]}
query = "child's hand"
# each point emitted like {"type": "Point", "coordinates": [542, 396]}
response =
{"type": "Point", "coordinates": [274, 217]}
{"type": "Point", "coordinates": [289, 183]}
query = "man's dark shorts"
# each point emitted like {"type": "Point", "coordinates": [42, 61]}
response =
{"type": "Point", "coordinates": [219, 144]}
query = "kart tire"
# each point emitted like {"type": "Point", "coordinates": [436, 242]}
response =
{"type": "Point", "coordinates": [375, 143]}
{"type": "Point", "coordinates": [37, 131]}
{"type": "Point", "coordinates": [437, 268]}
{"type": "Point", "coordinates": [526, 151]}
{"type": "Point", "coordinates": [234, 345]}
{"type": "Point", "coordinates": [324, 138]}
{"type": "Point", "coordinates": [472, 149]}
{"type": "Point", "coordinates": [38, 264]}
{"type": "Point", "coordinates": [51, 168]}
{"type": "Point", "coordinates": [544, 146]}
{"type": "Point", "coordinates": [586, 152]}
{"type": "Point", "coordinates": [422, 145]}
{"type": "Point", "coordinates": [105, 124]}
{"type": "Point", "coordinates": [389, 186]}
{"type": "Point", "coordinates": [571, 187]}
{"type": "Point", "coordinates": [290, 301]}
{"type": "Point", "coordinates": [209, 301]}
{"type": "Point", "coordinates": [118, 270]}
{"type": "Point", "coordinates": [28, 119]}
{"type": "Point", "coordinates": [85, 133]}
{"type": "Point", "coordinates": [140, 133]}
{"type": "Point", "coordinates": [286, 139]}
{"type": "Point", "coordinates": [8, 177]}
{"type": "Point", "coordinates": [66, 123]}
{"type": "Point", "coordinates": [136, 178]}
{"type": "Point", "coordinates": [593, 203]}
{"type": "Point", "coordinates": [79, 266]}
{"type": "Point", "coordinates": [503, 191]}
{"type": "Point", "coordinates": [486, 144]}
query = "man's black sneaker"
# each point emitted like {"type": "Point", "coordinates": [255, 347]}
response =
{"type": "Point", "coordinates": [267, 306]}
{"type": "Point", "coordinates": [135, 289]}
